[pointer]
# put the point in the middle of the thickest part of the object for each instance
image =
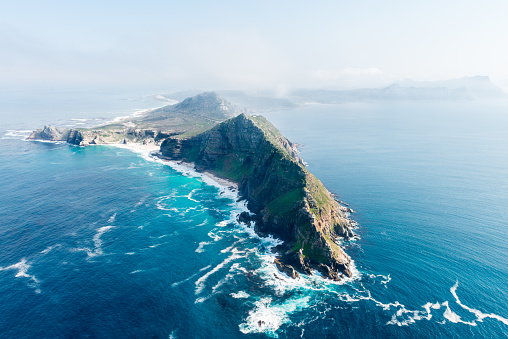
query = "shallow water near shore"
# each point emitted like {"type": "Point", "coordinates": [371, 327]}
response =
{"type": "Point", "coordinates": [105, 242]}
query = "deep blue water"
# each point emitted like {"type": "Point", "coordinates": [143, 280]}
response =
{"type": "Point", "coordinates": [103, 242]}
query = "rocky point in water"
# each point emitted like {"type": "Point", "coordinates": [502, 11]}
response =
{"type": "Point", "coordinates": [286, 199]}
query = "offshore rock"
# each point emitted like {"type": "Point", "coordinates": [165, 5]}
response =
{"type": "Point", "coordinates": [289, 202]}
{"type": "Point", "coordinates": [287, 269]}
{"type": "Point", "coordinates": [50, 133]}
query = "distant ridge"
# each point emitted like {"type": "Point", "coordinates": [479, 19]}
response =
{"type": "Point", "coordinates": [479, 87]}
{"type": "Point", "coordinates": [393, 92]}
{"type": "Point", "coordinates": [463, 89]}
{"type": "Point", "coordinates": [207, 105]}
{"type": "Point", "coordinates": [254, 101]}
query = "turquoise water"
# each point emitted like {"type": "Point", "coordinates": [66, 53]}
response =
{"type": "Point", "coordinates": [104, 242]}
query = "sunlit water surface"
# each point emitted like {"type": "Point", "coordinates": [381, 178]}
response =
{"type": "Point", "coordinates": [104, 242]}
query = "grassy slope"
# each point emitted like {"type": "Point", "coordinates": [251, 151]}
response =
{"type": "Point", "coordinates": [284, 188]}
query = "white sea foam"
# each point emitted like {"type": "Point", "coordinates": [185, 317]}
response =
{"type": "Point", "coordinates": [202, 244]}
{"type": "Point", "coordinates": [229, 248]}
{"type": "Point", "coordinates": [221, 282]}
{"type": "Point", "coordinates": [268, 316]}
{"type": "Point", "coordinates": [479, 315]}
{"type": "Point", "coordinates": [172, 335]}
{"type": "Point", "coordinates": [49, 142]}
{"type": "Point", "coordinates": [387, 279]}
{"type": "Point", "coordinates": [240, 295]}
{"type": "Point", "coordinates": [214, 236]}
{"type": "Point", "coordinates": [191, 277]}
{"type": "Point", "coordinates": [14, 134]}
{"type": "Point", "coordinates": [140, 202]}
{"type": "Point", "coordinates": [203, 223]}
{"type": "Point", "coordinates": [405, 317]}
{"type": "Point", "coordinates": [112, 218]}
{"type": "Point", "coordinates": [200, 283]}
{"type": "Point", "coordinates": [97, 249]}
{"type": "Point", "coordinates": [50, 248]}
{"type": "Point", "coordinates": [22, 268]}
{"type": "Point", "coordinates": [189, 196]}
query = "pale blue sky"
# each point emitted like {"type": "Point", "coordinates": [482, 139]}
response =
{"type": "Point", "coordinates": [255, 44]}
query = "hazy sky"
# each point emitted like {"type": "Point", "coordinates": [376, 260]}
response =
{"type": "Point", "coordinates": [251, 44]}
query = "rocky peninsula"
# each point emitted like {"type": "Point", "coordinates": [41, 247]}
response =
{"type": "Point", "coordinates": [286, 200]}
{"type": "Point", "coordinates": [191, 116]}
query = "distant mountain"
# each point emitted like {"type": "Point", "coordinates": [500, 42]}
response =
{"type": "Point", "coordinates": [464, 89]}
{"type": "Point", "coordinates": [480, 87]}
{"type": "Point", "coordinates": [192, 115]}
{"type": "Point", "coordinates": [259, 101]}
{"type": "Point", "coordinates": [394, 92]}
{"type": "Point", "coordinates": [208, 105]}
{"type": "Point", "coordinates": [254, 102]}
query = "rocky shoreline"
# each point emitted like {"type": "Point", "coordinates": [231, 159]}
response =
{"type": "Point", "coordinates": [287, 200]}
{"type": "Point", "coordinates": [250, 154]}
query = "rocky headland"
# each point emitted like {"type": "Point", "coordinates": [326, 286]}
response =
{"type": "Point", "coordinates": [286, 200]}
{"type": "Point", "coordinates": [191, 116]}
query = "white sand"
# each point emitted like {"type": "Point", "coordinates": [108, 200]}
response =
{"type": "Point", "coordinates": [138, 148]}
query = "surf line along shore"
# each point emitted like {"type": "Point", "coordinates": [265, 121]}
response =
{"type": "Point", "coordinates": [285, 199]}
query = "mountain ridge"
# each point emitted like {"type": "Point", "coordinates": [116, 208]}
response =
{"type": "Point", "coordinates": [288, 201]}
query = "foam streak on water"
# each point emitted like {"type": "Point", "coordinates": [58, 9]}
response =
{"type": "Point", "coordinates": [21, 269]}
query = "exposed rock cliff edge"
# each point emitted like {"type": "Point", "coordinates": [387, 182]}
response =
{"type": "Point", "coordinates": [288, 201]}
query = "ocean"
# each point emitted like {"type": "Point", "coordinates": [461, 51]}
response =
{"type": "Point", "coordinates": [106, 242]}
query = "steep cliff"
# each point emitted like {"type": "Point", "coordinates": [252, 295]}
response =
{"type": "Point", "coordinates": [288, 201]}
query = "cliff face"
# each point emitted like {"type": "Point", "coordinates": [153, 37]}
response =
{"type": "Point", "coordinates": [288, 200]}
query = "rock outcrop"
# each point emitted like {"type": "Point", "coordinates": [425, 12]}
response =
{"type": "Point", "coordinates": [287, 200]}
{"type": "Point", "coordinates": [50, 133]}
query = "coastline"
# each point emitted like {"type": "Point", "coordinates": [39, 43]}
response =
{"type": "Point", "coordinates": [188, 166]}
{"type": "Point", "coordinates": [137, 147]}
{"type": "Point", "coordinates": [308, 249]}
